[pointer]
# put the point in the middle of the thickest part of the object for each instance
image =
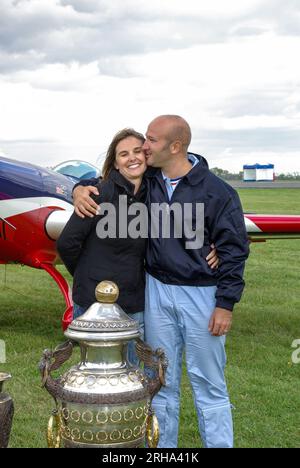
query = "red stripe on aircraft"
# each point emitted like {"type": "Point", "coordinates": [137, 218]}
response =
{"type": "Point", "coordinates": [276, 223]}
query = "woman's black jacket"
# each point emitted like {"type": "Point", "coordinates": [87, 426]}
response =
{"type": "Point", "coordinates": [91, 259]}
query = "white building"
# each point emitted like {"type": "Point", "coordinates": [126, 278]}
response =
{"type": "Point", "coordinates": [259, 172]}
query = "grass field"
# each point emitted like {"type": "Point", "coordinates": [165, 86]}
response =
{"type": "Point", "coordinates": [263, 382]}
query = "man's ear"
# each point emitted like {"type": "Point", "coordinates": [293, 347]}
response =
{"type": "Point", "coordinates": [176, 147]}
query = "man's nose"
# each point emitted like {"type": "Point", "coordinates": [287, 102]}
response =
{"type": "Point", "coordinates": [145, 145]}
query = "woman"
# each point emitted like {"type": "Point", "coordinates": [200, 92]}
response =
{"type": "Point", "coordinates": [91, 259]}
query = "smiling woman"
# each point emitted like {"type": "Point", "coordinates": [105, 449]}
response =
{"type": "Point", "coordinates": [130, 159]}
{"type": "Point", "coordinates": [122, 258]}
{"type": "Point", "coordinates": [125, 154]}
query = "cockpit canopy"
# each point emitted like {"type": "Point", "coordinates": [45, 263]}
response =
{"type": "Point", "coordinates": [77, 169]}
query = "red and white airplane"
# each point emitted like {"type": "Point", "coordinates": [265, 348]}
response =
{"type": "Point", "coordinates": [36, 203]}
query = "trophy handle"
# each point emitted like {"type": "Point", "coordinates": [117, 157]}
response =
{"type": "Point", "coordinates": [153, 360]}
{"type": "Point", "coordinates": [152, 429]}
{"type": "Point", "coordinates": [53, 360]}
{"type": "Point", "coordinates": [54, 425]}
{"type": "Point", "coordinates": [6, 415]}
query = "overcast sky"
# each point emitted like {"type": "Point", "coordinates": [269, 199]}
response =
{"type": "Point", "coordinates": [74, 72]}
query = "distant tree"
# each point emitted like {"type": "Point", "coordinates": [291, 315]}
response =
{"type": "Point", "coordinates": [288, 176]}
{"type": "Point", "coordinates": [226, 175]}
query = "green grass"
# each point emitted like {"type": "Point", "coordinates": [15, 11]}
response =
{"type": "Point", "coordinates": [271, 201]}
{"type": "Point", "coordinates": [263, 382]}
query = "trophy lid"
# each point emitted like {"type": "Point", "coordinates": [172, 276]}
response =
{"type": "Point", "coordinates": [104, 320]}
{"type": "Point", "coordinates": [3, 377]}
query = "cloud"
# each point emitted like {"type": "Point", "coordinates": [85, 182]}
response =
{"type": "Point", "coordinates": [83, 6]}
{"type": "Point", "coordinates": [34, 33]}
{"type": "Point", "coordinates": [267, 102]}
{"type": "Point", "coordinates": [259, 140]}
{"type": "Point", "coordinates": [27, 141]}
{"type": "Point", "coordinates": [47, 153]}
{"type": "Point", "coordinates": [231, 149]}
{"type": "Point", "coordinates": [284, 16]}
{"type": "Point", "coordinates": [58, 77]}
{"type": "Point", "coordinates": [76, 71]}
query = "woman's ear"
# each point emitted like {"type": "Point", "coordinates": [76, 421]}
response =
{"type": "Point", "coordinates": [116, 166]}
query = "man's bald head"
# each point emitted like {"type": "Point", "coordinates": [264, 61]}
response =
{"type": "Point", "coordinates": [176, 128]}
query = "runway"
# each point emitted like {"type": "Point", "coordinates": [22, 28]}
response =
{"type": "Point", "coordinates": [277, 184]}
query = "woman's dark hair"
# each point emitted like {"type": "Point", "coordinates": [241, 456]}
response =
{"type": "Point", "coordinates": [111, 152]}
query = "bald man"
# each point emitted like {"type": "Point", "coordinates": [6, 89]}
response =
{"type": "Point", "coordinates": [188, 306]}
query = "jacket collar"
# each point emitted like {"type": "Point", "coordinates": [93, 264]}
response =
{"type": "Point", "coordinates": [121, 181]}
{"type": "Point", "coordinates": [193, 177]}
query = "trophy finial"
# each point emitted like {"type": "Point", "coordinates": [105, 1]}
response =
{"type": "Point", "coordinates": [107, 292]}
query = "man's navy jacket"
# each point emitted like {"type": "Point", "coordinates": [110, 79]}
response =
{"type": "Point", "coordinates": [169, 260]}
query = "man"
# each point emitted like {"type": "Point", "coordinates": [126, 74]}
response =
{"type": "Point", "coordinates": [188, 305]}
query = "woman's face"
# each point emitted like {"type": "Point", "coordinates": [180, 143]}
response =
{"type": "Point", "coordinates": [130, 158]}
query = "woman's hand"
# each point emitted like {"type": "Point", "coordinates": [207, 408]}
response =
{"type": "Point", "coordinates": [212, 258]}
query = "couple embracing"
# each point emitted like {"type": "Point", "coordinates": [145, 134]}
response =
{"type": "Point", "coordinates": [181, 292]}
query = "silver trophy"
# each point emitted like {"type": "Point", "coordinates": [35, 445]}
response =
{"type": "Point", "coordinates": [6, 412]}
{"type": "Point", "coordinates": [104, 401]}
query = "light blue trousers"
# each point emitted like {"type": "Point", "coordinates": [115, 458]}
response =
{"type": "Point", "coordinates": [176, 319]}
{"type": "Point", "coordinates": [138, 316]}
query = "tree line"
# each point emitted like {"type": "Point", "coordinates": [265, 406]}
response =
{"type": "Point", "coordinates": [226, 175]}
